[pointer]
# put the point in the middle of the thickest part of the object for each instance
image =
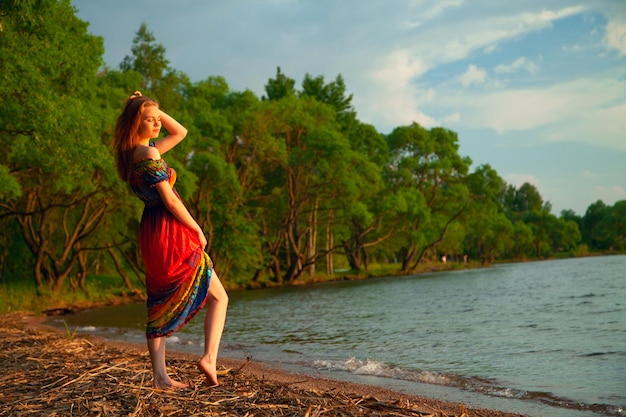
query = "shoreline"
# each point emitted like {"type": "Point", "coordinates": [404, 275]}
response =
{"type": "Point", "coordinates": [62, 307]}
{"type": "Point", "coordinates": [48, 372]}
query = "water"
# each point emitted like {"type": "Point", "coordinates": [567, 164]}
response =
{"type": "Point", "coordinates": [541, 338]}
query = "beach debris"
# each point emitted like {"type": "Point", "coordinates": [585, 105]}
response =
{"type": "Point", "coordinates": [44, 373]}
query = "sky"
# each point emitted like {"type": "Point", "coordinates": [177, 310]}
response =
{"type": "Point", "coordinates": [534, 88]}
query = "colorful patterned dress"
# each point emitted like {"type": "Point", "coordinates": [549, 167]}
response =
{"type": "Point", "coordinates": [178, 271]}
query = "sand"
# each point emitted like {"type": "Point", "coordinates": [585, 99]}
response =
{"type": "Point", "coordinates": [45, 371]}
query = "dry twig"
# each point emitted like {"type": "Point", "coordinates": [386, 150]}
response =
{"type": "Point", "coordinates": [43, 373]}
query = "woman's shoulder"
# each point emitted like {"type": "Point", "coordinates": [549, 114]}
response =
{"type": "Point", "coordinates": [145, 152]}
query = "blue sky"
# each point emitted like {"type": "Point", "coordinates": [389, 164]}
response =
{"type": "Point", "coordinates": [535, 88]}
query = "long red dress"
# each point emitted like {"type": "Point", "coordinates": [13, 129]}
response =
{"type": "Point", "coordinates": [178, 271]}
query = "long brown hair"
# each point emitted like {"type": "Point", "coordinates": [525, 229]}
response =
{"type": "Point", "coordinates": [126, 136]}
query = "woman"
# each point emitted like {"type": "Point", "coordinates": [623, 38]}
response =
{"type": "Point", "coordinates": [179, 274]}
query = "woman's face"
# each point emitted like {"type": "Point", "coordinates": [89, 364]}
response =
{"type": "Point", "coordinates": [149, 123]}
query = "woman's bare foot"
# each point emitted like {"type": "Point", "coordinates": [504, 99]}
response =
{"type": "Point", "coordinates": [170, 384]}
{"type": "Point", "coordinates": [209, 370]}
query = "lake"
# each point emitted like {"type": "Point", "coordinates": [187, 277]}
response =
{"type": "Point", "coordinates": [540, 338]}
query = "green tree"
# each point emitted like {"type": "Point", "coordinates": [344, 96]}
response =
{"type": "Point", "coordinates": [541, 223]}
{"type": "Point", "coordinates": [148, 58]}
{"type": "Point", "coordinates": [570, 215]}
{"type": "Point", "coordinates": [279, 87]}
{"type": "Point", "coordinates": [367, 221]}
{"type": "Point", "coordinates": [352, 221]}
{"type": "Point", "coordinates": [333, 94]}
{"type": "Point", "coordinates": [50, 131]}
{"type": "Point", "coordinates": [489, 231]}
{"type": "Point", "coordinates": [429, 174]}
{"type": "Point", "coordinates": [490, 236]}
{"type": "Point", "coordinates": [518, 201]}
{"type": "Point", "coordinates": [592, 232]}
{"type": "Point", "coordinates": [307, 160]}
{"type": "Point", "coordinates": [565, 235]}
{"type": "Point", "coordinates": [549, 233]}
{"type": "Point", "coordinates": [612, 227]}
{"type": "Point", "coordinates": [523, 245]}
{"type": "Point", "coordinates": [224, 162]}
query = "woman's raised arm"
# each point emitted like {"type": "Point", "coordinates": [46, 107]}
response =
{"type": "Point", "coordinates": [176, 133]}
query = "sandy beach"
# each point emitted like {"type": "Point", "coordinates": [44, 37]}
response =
{"type": "Point", "coordinates": [49, 372]}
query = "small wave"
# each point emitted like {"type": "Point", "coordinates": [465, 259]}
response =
{"type": "Point", "coordinates": [505, 392]}
{"type": "Point", "coordinates": [479, 385]}
{"type": "Point", "coordinates": [87, 329]}
{"type": "Point", "coordinates": [375, 368]}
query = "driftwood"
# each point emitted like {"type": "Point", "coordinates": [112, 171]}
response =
{"type": "Point", "coordinates": [48, 373]}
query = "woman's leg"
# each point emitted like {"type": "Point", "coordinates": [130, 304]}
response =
{"type": "Point", "coordinates": [217, 303]}
{"type": "Point", "coordinates": [156, 347]}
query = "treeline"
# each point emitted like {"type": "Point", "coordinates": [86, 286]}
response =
{"type": "Point", "coordinates": [288, 185]}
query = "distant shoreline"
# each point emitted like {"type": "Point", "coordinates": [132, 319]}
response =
{"type": "Point", "coordinates": [432, 269]}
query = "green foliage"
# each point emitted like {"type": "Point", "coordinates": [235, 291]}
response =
{"type": "Point", "coordinates": [9, 186]}
{"type": "Point", "coordinates": [280, 87]}
{"type": "Point", "coordinates": [51, 133]}
{"type": "Point", "coordinates": [148, 58]}
{"type": "Point", "coordinates": [581, 250]}
{"type": "Point", "coordinates": [16, 262]}
{"type": "Point", "coordinates": [427, 169]}
{"type": "Point", "coordinates": [333, 94]}
{"type": "Point", "coordinates": [281, 185]}
{"type": "Point", "coordinates": [611, 229]}
{"type": "Point", "coordinates": [68, 333]}
{"type": "Point", "coordinates": [22, 295]}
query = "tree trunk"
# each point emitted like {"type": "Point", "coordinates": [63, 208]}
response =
{"type": "Point", "coordinates": [408, 258]}
{"type": "Point", "coordinates": [120, 270]}
{"type": "Point", "coordinates": [330, 268]}
{"type": "Point", "coordinates": [312, 237]}
{"type": "Point", "coordinates": [81, 276]}
{"type": "Point", "coordinates": [135, 264]}
{"type": "Point", "coordinates": [353, 256]}
{"type": "Point", "coordinates": [365, 259]}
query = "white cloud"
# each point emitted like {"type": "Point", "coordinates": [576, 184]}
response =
{"type": "Point", "coordinates": [393, 97]}
{"type": "Point", "coordinates": [568, 109]}
{"type": "Point", "coordinates": [398, 69]}
{"type": "Point", "coordinates": [540, 19]}
{"type": "Point", "coordinates": [570, 48]}
{"type": "Point", "coordinates": [473, 75]}
{"type": "Point", "coordinates": [615, 36]}
{"type": "Point", "coordinates": [590, 110]}
{"type": "Point", "coordinates": [451, 118]}
{"type": "Point", "coordinates": [490, 49]}
{"type": "Point", "coordinates": [519, 63]}
{"type": "Point", "coordinates": [518, 109]}
{"type": "Point", "coordinates": [580, 96]}
{"type": "Point", "coordinates": [545, 17]}
{"type": "Point", "coordinates": [518, 180]}
{"type": "Point", "coordinates": [604, 125]}
{"type": "Point", "coordinates": [470, 30]}
{"type": "Point", "coordinates": [436, 9]}
{"type": "Point", "coordinates": [609, 195]}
